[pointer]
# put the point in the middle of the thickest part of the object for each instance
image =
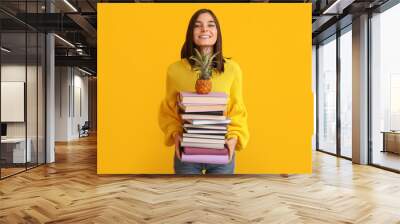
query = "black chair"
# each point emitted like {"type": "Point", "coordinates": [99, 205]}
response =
{"type": "Point", "coordinates": [84, 130]}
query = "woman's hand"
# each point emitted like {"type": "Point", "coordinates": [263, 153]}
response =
{"type": "Point", "coordinates": [231, 146]}
{"type": "Point", "coordinates": [177, 140]}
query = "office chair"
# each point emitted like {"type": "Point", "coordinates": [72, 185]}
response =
{"type": "Point", "coordinates": [84, 130]}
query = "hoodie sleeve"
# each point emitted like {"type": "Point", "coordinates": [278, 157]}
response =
{"type": "Point", "coordinates": [168, 118]}
{"type": "Point", "coordinates": [237, 112]}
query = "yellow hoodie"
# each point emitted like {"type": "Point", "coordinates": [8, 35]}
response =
{"type": "Point", "coordinates": [180, 77]}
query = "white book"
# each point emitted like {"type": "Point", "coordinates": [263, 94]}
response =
{"type": "Point", "coordinates": [216, 127]}
{"type": "Point", "coordinates": [204, 140]}
{"type": "Point", "coordinates": [203, 136]}
{"type": "Point", "coordinates": [203, 145]}
{"type": "Point", "coordinates": [205, 131]}
{"type": "Point", "coordinates": [202, 117]}
{"type": "Point", "coordinates": [196, 122]}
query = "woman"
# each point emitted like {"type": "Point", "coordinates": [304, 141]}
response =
{"type": "Point", "coordinates": [204, 34]}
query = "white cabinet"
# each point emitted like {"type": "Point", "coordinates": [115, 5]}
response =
{"type": "Point", "coordinates": [17, 147]}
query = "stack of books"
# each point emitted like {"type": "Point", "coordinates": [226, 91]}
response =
{"type": "Point", "coordinates": [205, 126]}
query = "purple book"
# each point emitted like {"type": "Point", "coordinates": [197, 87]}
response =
{"type": "Point", "coordinates": [210, 159]}
{"type": "Point", "coordinates": [205, 151]}
{"type": "Point", "coordinates": [211, 94]}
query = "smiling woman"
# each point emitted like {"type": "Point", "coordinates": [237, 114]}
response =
{"type": "Point", "coordinates": [204, 40]}
{"type": "Point", "coordinates": [204, 33]}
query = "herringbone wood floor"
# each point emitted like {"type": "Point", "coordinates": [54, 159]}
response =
{"type": "Point", "coordinates": [69, 191]}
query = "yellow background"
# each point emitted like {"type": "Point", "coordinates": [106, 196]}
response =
{"type": "Point", "coordinates": [271, 43]}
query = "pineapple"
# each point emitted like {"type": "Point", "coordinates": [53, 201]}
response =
{"type": "Point", "coordinates": [203, 64]}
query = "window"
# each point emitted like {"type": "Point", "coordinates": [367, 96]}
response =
{"type": "Point", "coordinates": [22, 77]}
{"type": "Point", "coordinates": [385, 88]}
{"type": "Point", "coordinates": [327, 95]}
{"type": "Point", "coordinates": [346, 93]}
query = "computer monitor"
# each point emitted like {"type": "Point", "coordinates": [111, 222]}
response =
{"type": "Point", "coordinates": [3, 129]}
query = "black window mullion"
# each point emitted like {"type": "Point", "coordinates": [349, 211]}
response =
{"type": "Point", "coordinates": [338, 92]}
{"type": "Point", "coordinates": [37, 90]}
{"type": "Point", "coordinates": [44, 78]}
{"type": "Point", "coordinates": [317, 97]}
{"type": "Point", "coordinates": [369, 90]}
{"type": "Point", "coordinates": [45, 93]}
{"type": "Point", "coordinates": [0, 97]}
{"type": "Point", "coordinates": [26, 86]}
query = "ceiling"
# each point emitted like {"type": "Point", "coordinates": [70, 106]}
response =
{"type": "Point", "coordinates": [332, 15]}
{"type": "Point", "coordinates": [72, 20]}
{"type": "Point", "coordinates": [76, 22]}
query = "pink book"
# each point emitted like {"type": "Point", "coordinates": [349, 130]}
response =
{"type": "Point", "coordinates": [205, 151]}
{"type": "Point", "coordinates": [211, 94]}
{"type": "Point", "coordinates": [202, 107]}
{"type": "Point", "coordinates": [200, 104]}
{"type": "Point", "coordinates": [212, 98]}
{"type": "Point", "coordinates": [211, 159]}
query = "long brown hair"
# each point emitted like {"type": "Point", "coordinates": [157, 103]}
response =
{"type": "Point", "coordinates": [188, 47]}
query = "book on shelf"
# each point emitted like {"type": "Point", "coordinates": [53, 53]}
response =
{"type": "Point", "coordinates": [215, 127]}
{"type": "Point", "coordinates": [202, 117]}
{"type": "Point", "coordinates": [203, 136]}
{"type": "Point", "coordinates": [196, 122]}
{"type": "Point", "coordinates": [203, 140]}
{"type": "Point", "coordinates": [204, 151]}
{"type": "Point", "coordinates": [203, 145]}
{"type": "Point", "coordinates": [204, 131]}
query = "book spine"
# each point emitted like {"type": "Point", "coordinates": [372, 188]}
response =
{"type": "Point", "coordinates": [203, 140]}
{"type": "Point", "coordinates": [210, 101]}
{"type": "Point", "coordinates": [204, 151]}
{"type": "Point", "coordinates": [203, 145]}
{"type": "Point", "coordinates": [202, 117]}
{"type": "Point", "coordinates": [211, 94]}
{"type": "Point", "coordinates": [203, 136]}
{"type": "Point", "coordinates": [216, 113]}
{"type": "Point", "coordinates": [210, 159]}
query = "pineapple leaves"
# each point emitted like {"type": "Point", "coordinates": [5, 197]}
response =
{"type": "Point", "coordinates": [203, 63]}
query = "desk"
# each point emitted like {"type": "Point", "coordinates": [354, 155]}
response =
{"type": "Point", "coordinates": [391, 141]}
{"type": "Point", "coordinates": [13, 150]}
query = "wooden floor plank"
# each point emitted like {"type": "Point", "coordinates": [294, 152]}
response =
{"type": "Point", "coordinates": [70, 191]}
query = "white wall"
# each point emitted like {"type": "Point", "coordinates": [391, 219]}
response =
{"type": "Point", "coordinates": [62, 81]}
{"type": "Point", "coordinates": [16, 72]}
{"type": "Point", "coordinates": [33, 127]}
{"type": "Point", "coordinates": [80, 84]}
{"type": "Point", "coordinates": [71, 93]}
